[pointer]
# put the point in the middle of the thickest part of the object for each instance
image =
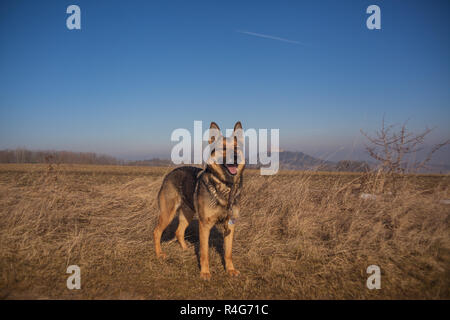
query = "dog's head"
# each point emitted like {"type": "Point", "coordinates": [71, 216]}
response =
{"type": "Point", "coordinates": [227, 156]}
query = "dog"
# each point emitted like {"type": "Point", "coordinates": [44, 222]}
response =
{"type": "Point", "coordinates": [213, 192]}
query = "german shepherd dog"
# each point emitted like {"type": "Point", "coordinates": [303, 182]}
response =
{"type": "Point", "coordinates": [213, 192]}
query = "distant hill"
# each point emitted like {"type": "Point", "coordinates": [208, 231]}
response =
{"type": "Point", "coordinates": [290, 160]}
{"type": "Point", "coordinates": [296, 160]}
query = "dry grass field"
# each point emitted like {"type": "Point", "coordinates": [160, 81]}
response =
{"type": "Point", "coordinates": [301, 236]}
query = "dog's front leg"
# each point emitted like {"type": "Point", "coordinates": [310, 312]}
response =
{"type": "Point", "coordinates": [228, 245]}
{"type": "Point", "coordinates": [204, 229]}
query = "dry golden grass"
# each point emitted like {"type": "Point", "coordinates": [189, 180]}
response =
{"type": "Point", "coordinates": [301, 236]}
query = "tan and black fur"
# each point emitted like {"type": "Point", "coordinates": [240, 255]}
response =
{"type": "Point", "coordinates": [212, 192]}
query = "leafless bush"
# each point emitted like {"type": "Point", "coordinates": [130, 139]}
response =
{"type": "Point", "coordinates": [391, 148]}
{"type": "Point", "coordinates": [395, 149]}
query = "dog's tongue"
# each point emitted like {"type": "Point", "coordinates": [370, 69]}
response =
{"type": "Point", "coordinates": [232, 168]}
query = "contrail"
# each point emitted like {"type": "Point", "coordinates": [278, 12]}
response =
{"type": "Point", "coordinates": [268, 37]}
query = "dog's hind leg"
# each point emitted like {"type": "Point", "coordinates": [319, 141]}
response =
{"type": "Point", "coordinates": [168, 206]}
{"type": "Point", "coordinates": [184, 219]}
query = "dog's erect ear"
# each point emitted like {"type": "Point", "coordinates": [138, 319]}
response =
{"type": "Point", "coordinates": [214, 131]}
{"type": "Point", "coordinates": [238, 133]}
{"type": "Point", "coordinates": [214, 126]}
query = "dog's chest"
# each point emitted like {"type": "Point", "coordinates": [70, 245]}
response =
{"type": "Point", "coordinates": [220, 194]}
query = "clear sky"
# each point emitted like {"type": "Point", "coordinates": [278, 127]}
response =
{"type": "Point", "coordinates": [137, 70]}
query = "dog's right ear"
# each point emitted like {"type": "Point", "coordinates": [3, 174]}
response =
{"type": "Point", "coordinates": [238, 133]}
{"type": "Point", "coordinates": [214, 132]}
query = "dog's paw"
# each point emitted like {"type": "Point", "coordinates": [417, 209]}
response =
{"type": "Point", "coordinates": [183, 246]}
{"type": "Point", "coordinates": [233, 272]}
{"type": "Point", "coordinates": [205, 275]}
{"type": "Point", "coordinates": [162, 255]}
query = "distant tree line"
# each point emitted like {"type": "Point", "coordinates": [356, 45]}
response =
{"type": "Point", "coordinates": [156, 162]}
{"type": "Point", "coordinates": [22, 155]}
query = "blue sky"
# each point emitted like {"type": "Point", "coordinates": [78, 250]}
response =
{"type": "Point", "coordinates": [137, 70]}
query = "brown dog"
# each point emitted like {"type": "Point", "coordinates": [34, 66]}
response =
{"type": "Point", "coordinates": [213, 192]}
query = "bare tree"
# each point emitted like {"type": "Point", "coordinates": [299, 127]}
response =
{"type": "Point", "coordinates": [392, 148]}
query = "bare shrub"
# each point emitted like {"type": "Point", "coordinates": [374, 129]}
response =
{"type": "Point", "coordinates": [395, 151]}
{"type": "Point", "coordinates": [391, 148]}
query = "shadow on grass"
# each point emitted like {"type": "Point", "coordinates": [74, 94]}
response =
{"type": "Point", "coordinates": [191, 236]}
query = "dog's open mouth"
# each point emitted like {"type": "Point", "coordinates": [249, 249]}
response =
{"type": "Point", "coordinates": [232, 168]}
